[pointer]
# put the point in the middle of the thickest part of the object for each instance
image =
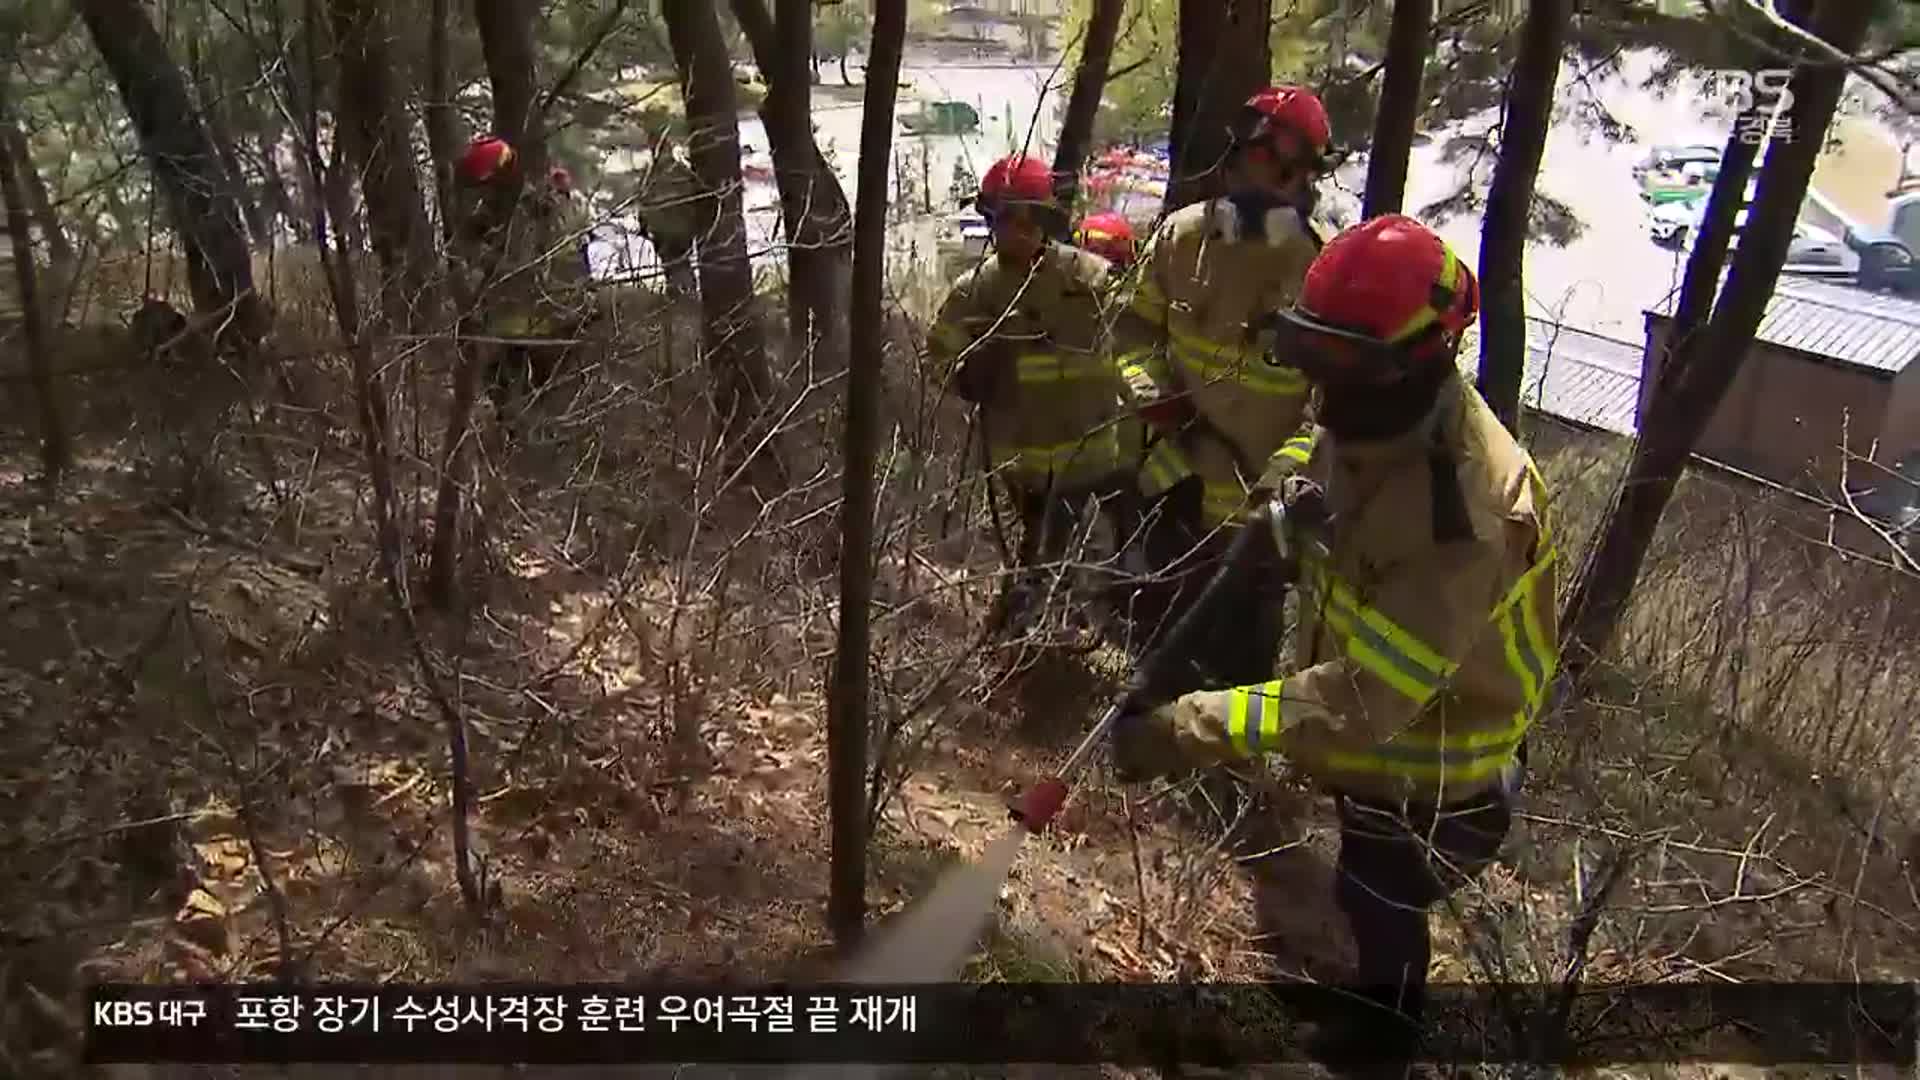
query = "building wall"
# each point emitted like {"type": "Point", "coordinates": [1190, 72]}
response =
{"type": "Point", "coordinates": [1900, 433]}
{"type": "Point", "coordinates": [1582, 464]}
{"type": "Point", "coordinates": [1786, 414]}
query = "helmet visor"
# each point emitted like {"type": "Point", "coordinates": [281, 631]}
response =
{"type": "Point", "coordinates": [1327, 353]}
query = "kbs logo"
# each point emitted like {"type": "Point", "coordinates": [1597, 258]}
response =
{"type": "Point", "coordinates": [165, 1012]}
{"type": "Point", "coordinates": [1760, 101]}
{"type": "Point", "coordinates": [123, 1014]}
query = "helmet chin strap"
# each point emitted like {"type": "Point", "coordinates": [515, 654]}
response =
{"type": "Point", "coordinates": [1267, 216]}
{"type": "Point", "coordinates": [1258, 215]}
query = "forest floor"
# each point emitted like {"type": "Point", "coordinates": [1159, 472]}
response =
{"type": "Point", "coordinates": [220, 761]}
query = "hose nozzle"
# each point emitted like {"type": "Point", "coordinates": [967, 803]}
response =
{"type": "Point", "coordinates": [1037, 807]}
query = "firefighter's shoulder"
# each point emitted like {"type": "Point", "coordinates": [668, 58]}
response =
{"type": "Point", "coordinates": [1080, 266]}
{"type": "Point", "coordinates": [1186, 225]}
{"type": "Point", "coordinates": [974, 287]}
{"type": "Point", "coordinates": [1498, 475]}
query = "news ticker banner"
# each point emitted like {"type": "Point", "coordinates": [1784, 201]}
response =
{"type": "Point", "coordinates": [1217, 1024]}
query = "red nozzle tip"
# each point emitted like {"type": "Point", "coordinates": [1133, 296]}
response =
{"type": "Point", "coordinates": [1037, 807]}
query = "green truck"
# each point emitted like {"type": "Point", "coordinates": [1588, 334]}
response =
{"type": "Point", "coordinates": [1692, 181]}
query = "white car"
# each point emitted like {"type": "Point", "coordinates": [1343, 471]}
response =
{"type": "Point", "coordinates": [1665, 158]}
{"type": "Point", "coordinates": [1676, 224]}
{"type": "Point", "coordinates": [1671, 223]}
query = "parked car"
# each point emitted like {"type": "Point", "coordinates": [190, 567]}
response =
{"type": "Point", "coordinates": [1815, 246]}
{"type": "Point", "coordinates": [1690, 181]}
{"type": "Point", "coordinates": [1675, 224]}
{"type": "Point", "coordinates": [941, 118]}
{"type": "Point", "coordinates": [1674, 158]}
{"type": "Point", "coordinates": [963, 236]}
{"type": "Point", "coordinates": [1672, 221]}
{"type": "Point", "coordinates": [1885, 263]}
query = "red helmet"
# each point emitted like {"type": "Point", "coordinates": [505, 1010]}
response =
{"type": "Point", "coordinates": [1107, 235]}
{"type": "Point", "coordinates": [1386, 291]}
{"type": "Point", "coordinates": [487, 157]}
{"type": "Point", "coordinates": [1290, 119]}
{"type": "Point", "coordinates": [561, 179]}
{"type": "Point", "coordinates": [1016, 179]}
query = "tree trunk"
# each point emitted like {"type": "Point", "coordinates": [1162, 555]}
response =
{"type": "Point", "coordinates": [1083, 107]}
{"type": "Point", "coordinates": [1705, 366]}
{"type": "Point", "coordinates": [1224, 60]}
{"type": "Point", "coordinates": [274, 186]}
{"type": "Point", "coordinates": [813, 206]}
{"type": "Point", "coordinates": [847, 722]}
{"type": "Point", "coordinates": [376, 136]}
{"type": "Point", "coordinates": [185, 165]}
{"type": "Point", "coordinates": [1503, 235]}
{"type": "Point", "coordinates": [506, 40]}
{"type": "Point", "coordinates": [40, 207]}
{"type": "Point", "coordinates": [1711, 243]}
{"type": "Point", "coordinates": [443, 124]}
{"type": "Point", "coordinates": [221, 131]}
{"type": "Point", "coordinates": [443, 141]}
{"type": "Point", "coordinates": [55, 451]}
{"type": "Point", "coordinates": [1399, 109]}
{"type": "Point", "coordinates": [735, 353]}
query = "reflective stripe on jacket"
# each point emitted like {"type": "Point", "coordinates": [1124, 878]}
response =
{"type": "Point", "coordinates": [1193, 324]}
{"type": "Point", "coordinates": [1420, 664]}
{"type": "Point", "coordinates": [1055, 410]}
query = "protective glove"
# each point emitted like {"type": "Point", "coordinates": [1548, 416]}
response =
{"type": "Point", "coordinates": [1184, 504]}
{"type": "Point", "coordinates": [1144, 747]}
{"type": "Point", "coordinates": [983, 371]}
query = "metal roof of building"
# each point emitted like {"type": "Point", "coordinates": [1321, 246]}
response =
{"type": "Point", "coordinates": [1869, 330]}
{"type": "Point", "coordinates": [1580, 377]}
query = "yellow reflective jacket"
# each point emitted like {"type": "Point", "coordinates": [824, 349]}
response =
{"type": "Point", "coordinates": [1194, 322]}
{"type": "Point", "coordinates": [565, 286]}
{"type": "Point", "coordinates": [1421, 662]}
{"type": "Point", "coordinates": [537, 282]}
{"type": "Point", "coordinates": [1054, 405]}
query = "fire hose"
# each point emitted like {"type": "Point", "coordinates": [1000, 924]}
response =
{"type": "Point", "coordinates": [1260, 549]}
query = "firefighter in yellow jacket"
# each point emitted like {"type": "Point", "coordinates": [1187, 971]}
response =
{"type": "Point", "coordinates": [1427, 634]}
{"type": "Point", "coordinates": [1224, 411]}
{"type": "Point", "coordinates": [529, 313]}
{"type": "Point", "coordinates": [1024, 337]}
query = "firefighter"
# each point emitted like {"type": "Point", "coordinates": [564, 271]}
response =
{"type": "Point", "coordinates": [1107, 235]}
{"type": "Point", "coordinates": [564, 231]}
{"type": "Point", "coordinates": [573, 225]}
{"type": "Point", "coordinates": [673, 214]}
{"type": "Point", "coordinates": [1223, 411]}
{"type": "Point", "coordinates": [528, 317]}
{"type": "Point", "coordinates": [1426, 642]}
{"type": "Point", "coordinates": [1023, 335]}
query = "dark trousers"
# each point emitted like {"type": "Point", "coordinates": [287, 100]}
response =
{"type": "Point", "coordinates": [677, 261]}
{"type": "Point", "coordinates": [1396, 863]}
{"type": "Point", "coordinates": [1050, 518]}
{"type": "Point", "coordinates": [515, 373]}
{"type": "Point", "coordinates": [1239, 643]}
